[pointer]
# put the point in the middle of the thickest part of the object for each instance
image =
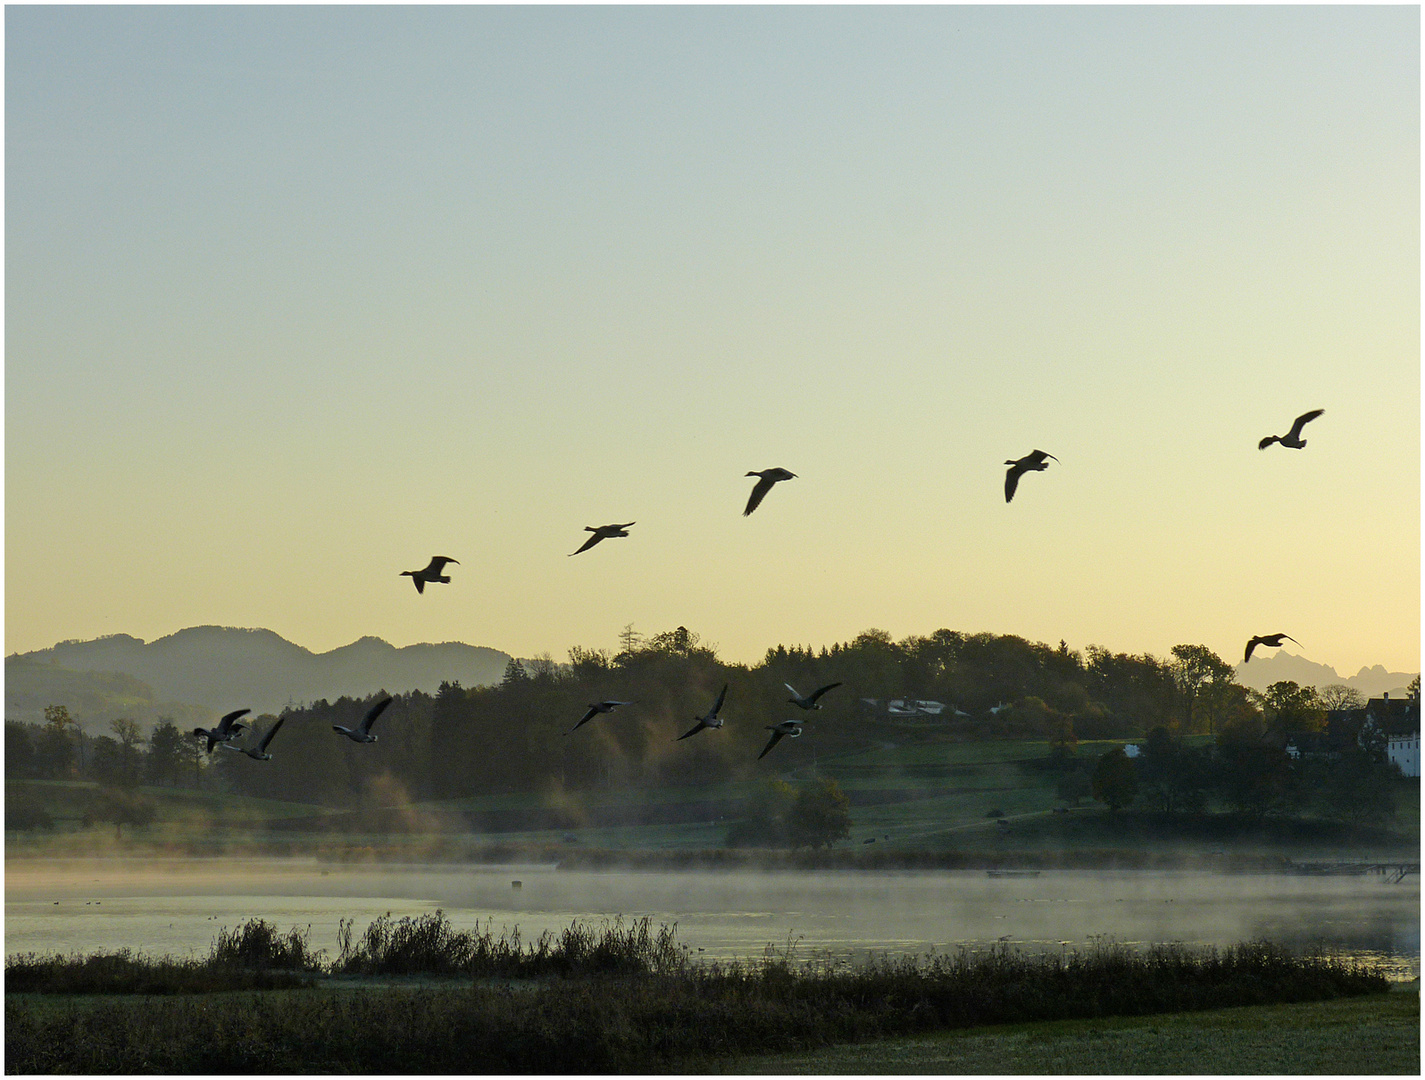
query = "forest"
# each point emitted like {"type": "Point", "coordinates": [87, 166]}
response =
{"type": "Point", "coordinates": [515, 737]}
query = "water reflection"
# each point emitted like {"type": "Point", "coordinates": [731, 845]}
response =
{"type": "Point", "coordinates": [177, 906]}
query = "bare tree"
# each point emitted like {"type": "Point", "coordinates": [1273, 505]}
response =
{"type": "Point", "coordinates": [129, 738]}
{"type": "Point", "coordinates": [1340, 696]}
{"type": "Point", "coordinates": [630, 638]}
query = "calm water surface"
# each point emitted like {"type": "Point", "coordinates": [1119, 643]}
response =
{"type": "Point", "coordinates": [177, 906]}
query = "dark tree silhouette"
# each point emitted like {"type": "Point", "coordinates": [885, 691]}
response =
{"type": "Point", "coordinates": [1114, 781]}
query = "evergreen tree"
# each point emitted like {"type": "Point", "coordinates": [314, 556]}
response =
{"type": "Point", "coordinates": [167, 748]}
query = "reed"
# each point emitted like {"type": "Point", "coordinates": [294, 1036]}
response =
{"type": "Point", "coordinates": [429, 945]}
{"type": "Point", "coordinates": [623, 997]}
{"type": "Point", "coordinates": [257, 944]}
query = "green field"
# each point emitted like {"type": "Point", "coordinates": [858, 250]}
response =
{"type": "Point", "coordinates": [1372, 1035]}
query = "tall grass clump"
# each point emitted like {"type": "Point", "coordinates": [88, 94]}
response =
{"type": "Point", "coordinates": [257, 944]}
{"type": "Point", "coordinates": [429, 945]}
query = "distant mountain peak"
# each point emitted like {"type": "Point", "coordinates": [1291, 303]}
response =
{"type": "Point", "coordinates": [226, 667]}
{"type": "Point", "coordinates": [1261, 671]}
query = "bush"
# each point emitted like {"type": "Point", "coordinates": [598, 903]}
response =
{"type": "Point", "coordinates": [24, 810]}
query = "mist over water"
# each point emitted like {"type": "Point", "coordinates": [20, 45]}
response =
{"type": "Point", "coordinates": [177, 906]}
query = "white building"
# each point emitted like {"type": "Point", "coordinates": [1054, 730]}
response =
{"type": "Point", "coordinates": [1399, 721]}
{"type": "Point", "coordinates": [1403, 751]}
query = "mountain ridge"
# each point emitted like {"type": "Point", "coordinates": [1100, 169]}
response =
{"type": "Point", "coordinates": [1261, 671]}
{"type": "Point", "coordinates": [217, 668]}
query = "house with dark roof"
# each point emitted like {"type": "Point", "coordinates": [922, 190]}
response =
{"type": "Point", "coordinates": [1398, 719]}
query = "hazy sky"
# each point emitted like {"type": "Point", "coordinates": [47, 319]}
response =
{"type": "Point", "coordinates": [298, 297]}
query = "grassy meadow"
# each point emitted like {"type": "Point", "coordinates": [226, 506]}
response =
{"type": "Point", "coordinates": [1374, 1035]}
{"type": "Point", "coordinates": [920, 795]}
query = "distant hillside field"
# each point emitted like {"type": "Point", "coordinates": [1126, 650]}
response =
{"type": "Point", "coordinates": [208, 669]}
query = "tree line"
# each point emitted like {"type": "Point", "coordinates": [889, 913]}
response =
{"type": "Point", "coordinates": [513, 737]}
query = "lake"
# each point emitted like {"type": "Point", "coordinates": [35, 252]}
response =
{"type": "Point", "coordinates": [176, 906]}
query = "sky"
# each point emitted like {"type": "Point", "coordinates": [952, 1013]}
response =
{"type": "Point", "coordinates": [299, 297]}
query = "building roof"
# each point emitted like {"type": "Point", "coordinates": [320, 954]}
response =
{"type": "Point", "coordinates": [1396, 716]}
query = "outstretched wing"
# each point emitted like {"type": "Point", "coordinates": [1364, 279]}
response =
{"type": "Point", "coordinates": [1303, 420]}
{"type": "Point", "coordinates": [437, 564]}
{"type": "Point", "coordinates": [226, 723]}
{"type": "Point", "coordinates": [824, 689]}
{"type": "Point", "coordinates": [590, 542]}
{"type": "Point", "coordinates": [1011, 480]}
{"type": "Point", "coordinates": [419, 582]}
{"type": "Point", "coordinates": [1039, 456]}
{"type": "Point", "coordinates": [763, 486]}
{"type": "Point", "coordinates": [262, 746]}
{"type": "Point", "coordinates": [372, 713]}
{"type": "Point", "coordinates": [770, 743]}
{"type": "Point", "coordinates": [717, 705]}
{"type": "Point", "coordinates": [1250, 646]}
{"type": "Point", "coordinates": [695, 730]}
{"type": "Point", "coordinates": [593, 712]}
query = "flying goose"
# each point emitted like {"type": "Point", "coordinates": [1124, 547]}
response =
{"type": "Point", "coordinates": [1028, 463]}
{"type": "Point", "coordinates": [764, 485]}
{"type": "Point", "coordinates": [432, 572]}
{"type": "Point", "coordinates": [595, 708]}
{"type": "Point", "coordinates": [603, 532]}
{"type": "Point", "coordinates": [259, 752]}
{"type": "Point", "coordinates": [710, 720]}
{"type": "Point", "coordinates": [363, 733]}
{"type": "Point", "coordinates": [1293, 437]}
{"type": "Point", "coordinates": [1272, 641]}
{"type": "Point", "coordinates": [809, 702]}
{"type": "Point", "coordinates": [225, 730]}
{"type": "Point", "coordinates": [792, 728]}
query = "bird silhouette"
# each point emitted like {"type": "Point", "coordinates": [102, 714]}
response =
{"type": "Point", "coordinates": [764, 485]}
{"type": "Point", "coordinates": [603, 532]}
{"type": "Point", "coordinates": [225, 730]}
{"type": "Point", "coordinates": [1293, 437]}
{"type": "Point", "coordinates": [809, 702]}
{"type": "Point", "coordinates": [432, 572]}
{"type": "Point", "coordinates": [259, 752]}
{"type": "Point", "coordinates": [710, 719]}
{"type": "Point", "coordinates": [363, 734]}
{"type": "Point", "coordinates": [1273, 641]}
{"type": "Point", "coordinates": [1028, 463]}
{"type": "Point", "coordinates": [595, 708]}
{"type": "Point", "coordinates": [790, 728]}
